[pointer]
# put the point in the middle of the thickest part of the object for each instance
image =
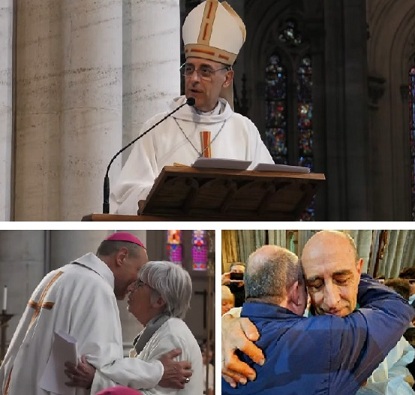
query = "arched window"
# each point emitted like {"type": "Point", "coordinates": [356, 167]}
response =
{"type": "Point", "coordinates": [289, 102]}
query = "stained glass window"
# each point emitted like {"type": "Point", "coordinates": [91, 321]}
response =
{"type": "Point", "coordinates": [412, 133]}
{"type": "Point", "coordinates": [276, 109]}
{"type": "Point", "coordinates": [305, 113]}
{"type": "Point", "coordinates": [304, 123]}
{"type": "Point", "coordinates": [281, 113]}
{"type": "Point", "coordinates": [174, 246]}
{"type": "Point", "coordinates": [200, 250]}
{"type": "Point", "coordinates": [290, 34]}
{"type": "Point", "coordinates": [189, 249]}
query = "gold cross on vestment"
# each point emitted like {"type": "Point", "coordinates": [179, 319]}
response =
{"type": "Point", "coordinates": [41, 304]}
{"type": "Point", "coordinates": [38, 306]}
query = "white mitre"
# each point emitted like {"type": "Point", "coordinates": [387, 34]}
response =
{"type": "Point", "coordinates": [213, 31]}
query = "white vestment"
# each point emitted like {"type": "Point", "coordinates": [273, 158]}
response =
{"type": "Point", "coordinates": [174, 333]}
{"type": "Point", "coordinates": [77, 299]}
{"type": "Point", "coordinates": [390, 377]}
{"type": "Point", "coordinates": [177, 140]}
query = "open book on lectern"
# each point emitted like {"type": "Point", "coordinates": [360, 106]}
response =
{"type": "Point", "coordinates": [234, 164]}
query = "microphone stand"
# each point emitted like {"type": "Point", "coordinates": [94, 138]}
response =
{"type": "Point", "coordinates": [106, 204]}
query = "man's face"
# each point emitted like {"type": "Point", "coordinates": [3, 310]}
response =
{"type": "Point", "coordinates": [127, 270]}
{"type": "Point", "coordinates": [332, 273]}
{"type": "Point", "coordinates": [206, 90]}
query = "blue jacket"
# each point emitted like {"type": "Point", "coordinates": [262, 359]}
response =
{"type": "Point", "coordinates": [325, 354]}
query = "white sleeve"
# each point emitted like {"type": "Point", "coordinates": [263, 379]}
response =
{"type": "Point", "coordinates": [391, 377]}
{"type": "Point", "coordinates": [130, 372]}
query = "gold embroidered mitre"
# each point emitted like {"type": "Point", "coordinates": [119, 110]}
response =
{"type": "Point", "coordinates": [213, 31]}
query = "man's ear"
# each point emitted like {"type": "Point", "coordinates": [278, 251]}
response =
{"type": "Point", "coordinates": [120, 256]}
{"type": "Point", "coordinates": [295, 298]}
{"type": "Point", "coordinates": [293, 294]}
{"type": "Point", "coordinates": [228, 78]}
{"type": "Point", "coordinates": [359, 266]}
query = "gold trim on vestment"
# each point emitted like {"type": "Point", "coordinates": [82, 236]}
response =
{"type": "Point", "coordinates": [38, 306]}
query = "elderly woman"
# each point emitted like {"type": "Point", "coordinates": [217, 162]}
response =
{"type": "Point", "coordinates": [159, 299]}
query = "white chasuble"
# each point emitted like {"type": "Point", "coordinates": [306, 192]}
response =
{"type": "Point", "coordinates": [177, 140]}
{"type": "Point", "coordinates": [77, 299]}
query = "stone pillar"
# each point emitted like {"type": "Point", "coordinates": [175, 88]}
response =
{"type": "Point", "coordinates": [151, 79]}
{"type": "Point", "coordinates": [6, 32]}
{"type": "Point", "coordinates": [69, 105]}
{"type": "Point", "coordinates": [67, 245]}
{"type": "Point", "coordinates": [91, 121]}
{"type": "Point", "coordinates": [346, 111]}
{"type": "Point", "coordinates": [70, 92]}
{"type": "Point", "coordinates": [38, 87]}
{"type": "Point", "coordinates": [22, 266]}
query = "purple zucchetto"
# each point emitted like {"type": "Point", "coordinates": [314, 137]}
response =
{"type": "Point", "coordinates": [125, 236]}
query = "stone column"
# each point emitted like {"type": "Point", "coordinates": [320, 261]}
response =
{"type": "Point", "coordinates": [22, 266]}
{"type": "Point", "coordinates": [70, 93]}
{"type": "Point", "coordinates": [38, 87]}
{"type": "Point", "coordinates": [91, 121]}
{"type": "Point", "coordinates": [67, 245]}
{"type": "Point", "coordinates": [69, 105]}
{"type": "Point", "coordinates": [151, 79]}
{"type": "Point", "coordinates": [346, 111]}
{"type": "Point", "coordinates": [6, 33]}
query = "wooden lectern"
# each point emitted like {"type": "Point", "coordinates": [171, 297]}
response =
{"type": "Point", "coordinates": [189, 194]}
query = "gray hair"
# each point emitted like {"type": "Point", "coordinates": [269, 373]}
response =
{"type": "Point", "coordinates": [270, 271]}
{"type": "Point", "coordinates": [171, 282]}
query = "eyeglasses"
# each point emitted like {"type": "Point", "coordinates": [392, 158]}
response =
{"type": "Point", "coordinates": [139, 284]}
{"type": "Point", "coordinates": [204, 72]}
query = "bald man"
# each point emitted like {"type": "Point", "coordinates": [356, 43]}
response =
{"type": "Point", "coordinates": [332, 272]}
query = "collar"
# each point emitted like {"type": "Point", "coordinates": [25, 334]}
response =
{"type": "Point", "coordinates": [216, 111]}
{"type": "Point", "coordinates": [221, 113]}
{"type": "Point", "coordinates": [91, 261]}
{"type": "Point", "coordinates": [265, 310]}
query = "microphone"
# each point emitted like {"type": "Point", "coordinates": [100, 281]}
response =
{"type": "Point", "coordinates": [106, 204]}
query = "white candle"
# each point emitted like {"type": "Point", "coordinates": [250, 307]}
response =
{"type": "Point", "coordinates": [5, 298]}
